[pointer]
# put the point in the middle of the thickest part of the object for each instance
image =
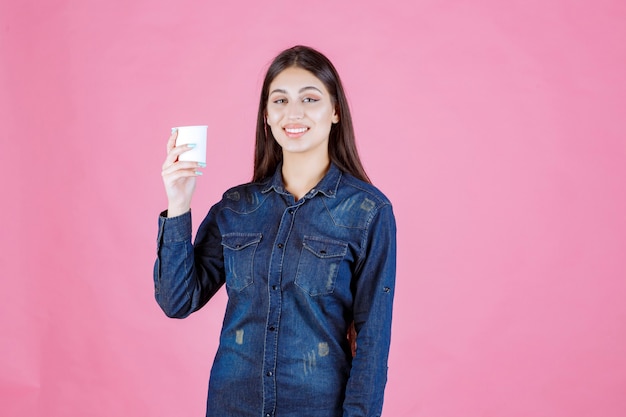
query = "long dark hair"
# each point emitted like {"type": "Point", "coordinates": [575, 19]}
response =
{"type": "Point", "coordinates": [341, 145]}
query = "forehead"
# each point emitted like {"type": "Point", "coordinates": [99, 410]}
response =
{"type": "Point", "coordinates": [293, 79]}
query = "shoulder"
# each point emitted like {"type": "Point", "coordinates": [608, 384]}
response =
{"type": "Point", "coordinates": [356, 203]}
{"type": "Point", "coordinates": [351, 187]}
{"type": "Point", "coordinates": [244, 197]}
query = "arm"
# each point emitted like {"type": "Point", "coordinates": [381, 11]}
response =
{"type": "Point", "coordinates": [186, 276]}
{"type": "Point", "coordinates": [373, 286]}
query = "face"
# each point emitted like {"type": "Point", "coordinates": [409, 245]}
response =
{"type": "Point", "coordinates": [300, 112]}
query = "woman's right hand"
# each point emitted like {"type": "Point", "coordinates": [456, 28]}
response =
{"type": "Point", "coordinates": [179, 178]}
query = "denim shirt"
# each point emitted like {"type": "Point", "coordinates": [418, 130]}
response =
{"type": "Point", "coordinates": [297, 274]}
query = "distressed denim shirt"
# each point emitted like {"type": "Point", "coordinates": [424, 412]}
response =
{"type": "Point", "coordinates": [297, 274]}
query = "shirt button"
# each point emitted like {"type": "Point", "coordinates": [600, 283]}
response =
{"type": "Point", "coordinates": [269, 373]}
{"type": "Point", "coordinates": [274, 287]}
{"type": "Point", "coordinates": [280, 246]}
{"type": "Point", "coordinates": [272, 328]}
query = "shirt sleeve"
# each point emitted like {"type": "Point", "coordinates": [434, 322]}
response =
{"type": "Point", "coordinates": [374, 285]}
{"type": "Point", "coordinates": [187, 275]}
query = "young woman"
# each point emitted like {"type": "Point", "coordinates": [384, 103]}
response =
{"type": "Point", "coordinates": [307, 251]}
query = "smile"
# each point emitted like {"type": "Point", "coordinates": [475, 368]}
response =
{"type": "Point", "coordinates": [296, 130]}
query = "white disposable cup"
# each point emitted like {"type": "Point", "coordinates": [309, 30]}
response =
{"type": "Point", "coordinates": [195, 135]}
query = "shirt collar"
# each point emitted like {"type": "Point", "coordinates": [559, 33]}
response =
{"type": "Point", "coordinates": [327, 186]}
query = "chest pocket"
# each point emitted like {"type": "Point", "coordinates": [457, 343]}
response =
{"type": "Point", "coordinates": [239, 249]}
{"type": "Point", "coordinates": [319, 263]}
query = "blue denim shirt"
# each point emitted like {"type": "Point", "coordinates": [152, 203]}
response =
{"type": "Point", "coordinates": [297, 274]}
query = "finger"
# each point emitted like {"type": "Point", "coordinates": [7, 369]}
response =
{"type": "Point", "coordinates": [171, 178]}
{"type": "Point", "coordinates": [188, 168]}
{"type": "Point", "coordinates": [172, 157]}
{"type": "Point", "coordinates": [175, 152]}
{"type": "Point", "coordinates": [171, 143]}
{"type": "Point", "coordinates": [181, 165]}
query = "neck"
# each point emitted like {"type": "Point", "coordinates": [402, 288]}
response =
{"type": "Point", "coordinates": [302, 172]}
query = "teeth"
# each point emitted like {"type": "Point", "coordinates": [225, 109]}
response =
{"type": "Point", "coordinates": [299, 130]}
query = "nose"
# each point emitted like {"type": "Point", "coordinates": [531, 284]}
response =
{"type": "Point", "coordinates": [295, 110]}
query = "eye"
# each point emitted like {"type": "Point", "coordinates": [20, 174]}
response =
{"type": "Point", "coordinates": [310, 100]}
{"type": "Point", "coordinates": [279, 101]}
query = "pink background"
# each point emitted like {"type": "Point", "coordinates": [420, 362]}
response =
{"type": "Point", "coordinates": [497, 129]}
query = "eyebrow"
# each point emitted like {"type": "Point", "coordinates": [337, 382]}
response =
{"type": "Point", "coordinates": [309, 87]}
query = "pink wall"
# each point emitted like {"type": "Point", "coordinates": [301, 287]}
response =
{"type": "Point", "coordinates": [497, 129]}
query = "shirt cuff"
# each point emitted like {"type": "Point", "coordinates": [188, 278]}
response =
{"type": "Point", "coordinates": [175, 229]}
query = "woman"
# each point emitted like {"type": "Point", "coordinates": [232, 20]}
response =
{"type": "Point", "coordinates": [306, 250]}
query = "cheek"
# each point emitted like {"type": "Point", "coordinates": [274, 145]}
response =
{"type": "Point", "coordinates": [275, 131]}
{"type": "Point", "coordinates": [272, 118]}
{"type": "Point", "coordinates": [273, 123]}
{"type": "Point", "coordinates": [322, 113]}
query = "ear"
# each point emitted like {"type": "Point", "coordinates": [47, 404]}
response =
{"type": "Point", "coordinates": [335, 116]}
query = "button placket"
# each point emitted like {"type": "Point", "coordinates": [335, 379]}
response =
{"type": "Point", "coordinates": [274, 305]}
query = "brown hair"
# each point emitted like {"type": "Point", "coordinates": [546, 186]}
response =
{"type": "Point", "coordinates": [341, 145]}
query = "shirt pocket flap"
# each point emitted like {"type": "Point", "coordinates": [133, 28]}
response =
{"type": "Point", "coordinates": [325, 248]}
{"type": "Point", "coordinates": [239, 241]}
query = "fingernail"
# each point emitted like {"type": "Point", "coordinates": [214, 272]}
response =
{"type": "Point", "coordinates": [201, 164]}
{"type": "Point", "coordinates": [198, 172]}
{"type": "Point", "coordinates": [191, 145]}
{"type": "Point", "coordinates": [174, 129]}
